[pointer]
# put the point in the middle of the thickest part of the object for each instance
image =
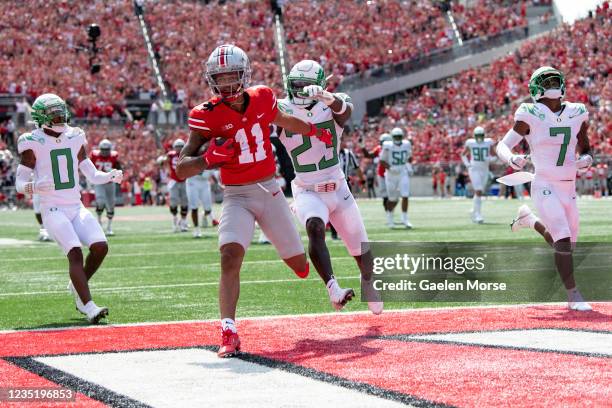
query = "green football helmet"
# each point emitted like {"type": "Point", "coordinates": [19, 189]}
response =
{"type": "Point", "coordinates": [50, 109]}
{"type": "Point", "coordinates": [547, 82]}
{"type": "Point", "coordinates": [304, 73]}
{"type": "Point", "coordinates": [479, 133]}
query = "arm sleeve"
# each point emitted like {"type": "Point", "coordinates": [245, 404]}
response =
{"type": "Point", "coordinates": [505, 146]}
{"type": "Point", "coordinates": [93, 175]}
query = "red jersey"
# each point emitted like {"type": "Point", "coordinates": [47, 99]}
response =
{"type": "Point", "coordinates": [380, 170]}
{"type": "Point", "coordinates": [173, 158]}
{"type": "Point", "coordinates": [104, 163]}
{"type": "Point", "coordinates": [250, 132]}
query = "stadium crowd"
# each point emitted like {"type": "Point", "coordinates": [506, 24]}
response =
{"type": "Point", "coordinates": [439, 118]}
{"type": "Point", "coordinates": [184, 35]}
{"type": "Point", "coordinates": [488, 17]}
{"type": "Point", "coordinates": [44, 45]}
{"type": "Point", "coordinates": [347, 37]}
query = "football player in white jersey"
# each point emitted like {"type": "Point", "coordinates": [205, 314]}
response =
{"type": "Point", "coordinates": [556, 132]}
{"type": "Point", "coordinates": [55, 152]}
{"type": "Point", "coordinates": [319, 188]}
{"type": "Point", "coordinates": [480, 152]}
{"type": "Point", "coordinates": [395, 157]}
{"type": "Point", "coordinates": [198, 193]}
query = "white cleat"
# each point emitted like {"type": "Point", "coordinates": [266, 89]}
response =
{"type": "Point", "coordinates": [338, 296]}
{"type": "Point", "coordinates": [77, 299]}
{"type": "Point", "coordinates": [523, 218]}
{"type": "Point", "coordinates": [579, 306]}
{"type": "Point", "coordinates": [375, 303]}
{"type": "Point", "coordinates": [94, 312]}
{"type": "Point", "coordinates": [43, 235]}
{"type": "Point", "coordinates": [478, 219]}
{"type": "Point", "coordinates": [109, 232]}
{"type": "Point", "coordinates": [576, 302]}
{"type": "Point", "coordinates": [407, 224]}
{"type": "Point", "coordinates": [183, 225]}
{"type": "Point", "coordinates": [197, 233]}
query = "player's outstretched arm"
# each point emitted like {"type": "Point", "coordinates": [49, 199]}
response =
{"type": "Point", "coordinates": [95, 176]}
{"type": "Point", "coordinates": [510, 140]}
{"type": "Point", "coordinates": [583, 148]}
{"type": "Point", "coordinates": [190, 161]}
{"type": "Point", "coordinates": [296, 125]}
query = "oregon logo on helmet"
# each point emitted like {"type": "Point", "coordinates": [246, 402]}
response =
{"type": "Point", "coordinates": [49, 109]}
{"type": "Point", "coordinates": [304, 73]}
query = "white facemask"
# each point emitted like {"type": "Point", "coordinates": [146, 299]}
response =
{"type": "Point", "coordinates": [56, 128]}
{"type": "Point", "coordinates": [553, 93]}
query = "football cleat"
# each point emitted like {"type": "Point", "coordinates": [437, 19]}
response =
{"type": "Point", "coordinates": [576, 302]}
{"type": "Point", "coordinates": [77, 299]}
{"type": "Point", "coordinates": [43, 235]}
{"type": "Point", "coordinates": [94, 312]}
{"type": "Point", "coordinates": [407, 224]}
{"type": "Point", "coordinates": [109, 232]}
{"type": "Point", "coordinates": [215, 222]}
{"type": "Point", "coordinates": [375, 303]}
{"type": "Point", "coordinates": [523, 218]}
{"type": "Point", "coordinates": [338, 296]}
{"type": "Point", "coordinates": [197, 233]}
{"type": "Point", "coordinates": [230, 344]}
{"type": "Point", "coordinates": [183, 225]}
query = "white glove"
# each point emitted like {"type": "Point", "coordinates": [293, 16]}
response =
{"type": "Point", "coordinates": [318, 93]}
{"type": "Point", "coordinates": [116, 176]}
{"type": "Point", "coordinates": [518, 161]}
{"type": "Point", "coordinates": [584, 161]}
{"type": "Point", "coordinates": [41, 186]}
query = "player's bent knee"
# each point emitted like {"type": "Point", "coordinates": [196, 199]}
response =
{"type": "Point", "coordinates": [75, 255]}
{"type": "Point", "coordinates": [99, 249]}
{"type": "Point", "coordinates": [315, 227]}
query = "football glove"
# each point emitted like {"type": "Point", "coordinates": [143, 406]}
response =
{"type": "Point", "coordinates": [325, 137]}
{"type": "Point", "coordinates": [518, 161]}
{"type": "Point", "coordinates": [42, 186]}
{"type": "Point", "coordinates": [318, 93]}
{"type": "Point", "coordinates": [584, 161]}
{"type": "Point", "coordinates": [216, 155]}
{"type": "Point", "coordinates": [116, 176]}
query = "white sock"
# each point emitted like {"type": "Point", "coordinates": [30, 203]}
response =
{"type": "Point", "coordinates": [404, 217]}
{"type": "Point", "coordinates": [110, 221]}
{"type": "Point", "coordinates": [229, 324]}
{"type": "Point", "coordinates": [477, 204]}
{"type": "Point", "coordinates": [174, 219]}
{"type": "Point", "coordinates": [389, 217]}
{"type": "Point", "coordinates": [90, 305]}
{"type": "Point", "coordinates": [532, 220]}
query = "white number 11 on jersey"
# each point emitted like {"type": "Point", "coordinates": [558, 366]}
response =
{"type": "Point", "coordinates": [245, 150]}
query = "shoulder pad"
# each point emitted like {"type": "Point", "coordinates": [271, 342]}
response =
{"type": "Point", "coordinates": [30, 137]}
{"type": "Point", "coordinates": [286, 106]}
{"type": "Point", "coordinates": [530, 109]}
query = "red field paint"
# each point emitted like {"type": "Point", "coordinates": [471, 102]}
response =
{"type": "Point", "coordinates": [375, 352]}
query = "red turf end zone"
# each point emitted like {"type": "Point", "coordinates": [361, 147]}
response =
{"type": "Point", "coordinates": [350, 346]}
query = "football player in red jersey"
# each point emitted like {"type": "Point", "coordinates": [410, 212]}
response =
{"type": "Point", "coordinates": [177, 187]}
{"type": "Point", "coordinates": [242, 116]}
{"type": "Point", "coordinates": [105, 159]}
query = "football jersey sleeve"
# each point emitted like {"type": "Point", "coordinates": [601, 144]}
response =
{"type": "Point", "coordinates": [578, 112]}
{"type": "Point", "coordinates": [525, 113]}
{"type": "Point", "coordinates": [81, 135]}
{"type": "Point", "coordinates": [198, 120]}
{"type": "Point", "coordinates": [26, 142]}
{"type": "Point", "coordinates": [268, 101]}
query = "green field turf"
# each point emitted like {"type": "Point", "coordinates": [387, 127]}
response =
{"type": "Point", "coordinates": [151, 274]}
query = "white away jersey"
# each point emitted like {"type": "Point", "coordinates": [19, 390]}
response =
{"type": "Point", "coordinates": [397, 156]}
{"type": "Point", "coordinates": [552, 138]}
{"type": "Point", "coordinates": [313, 161]}
{"type": "Point", "coordinates": [57, 160]}
{"type": "Point", "coordinates": [479, 152]}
